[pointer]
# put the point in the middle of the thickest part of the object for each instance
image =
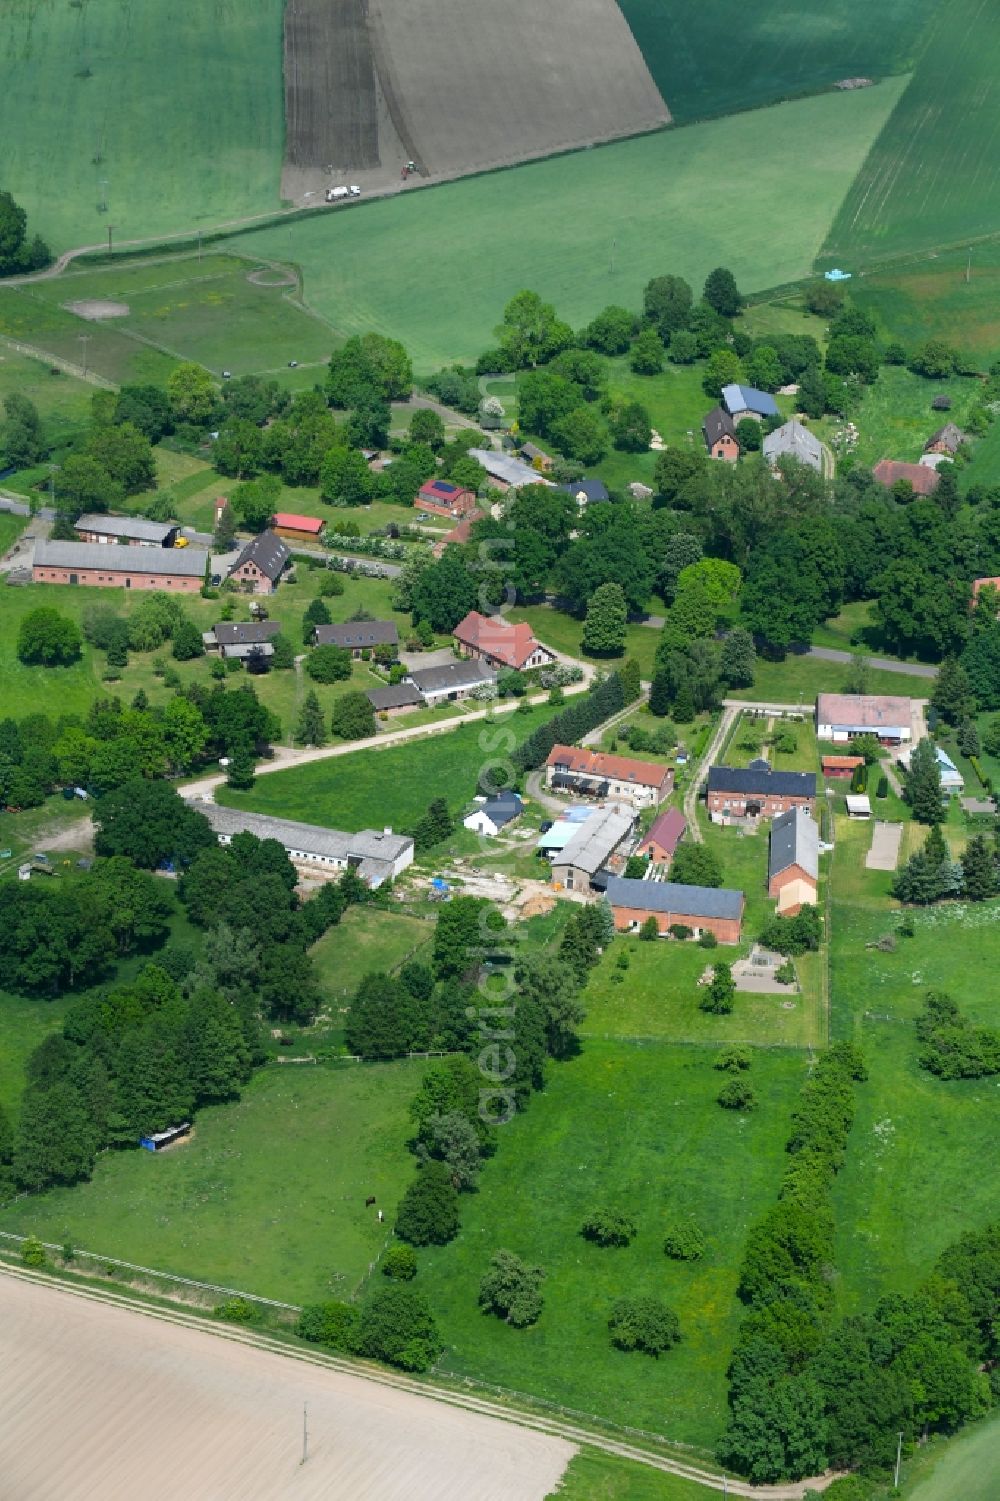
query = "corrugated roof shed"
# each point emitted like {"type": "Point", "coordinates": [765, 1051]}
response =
{"type": "Point", "coordinates": [597, 839]}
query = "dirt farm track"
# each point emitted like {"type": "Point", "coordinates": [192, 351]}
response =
{"type": "Point", "coordinates": [101, 1401]}
{"type": "Point", "coordinates": [457, 86]}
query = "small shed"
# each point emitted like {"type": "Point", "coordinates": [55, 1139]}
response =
{"type": "Point", "coordinates": [160, 1139]}
{"type": "Point", "coordinates": [494, 814]}
{"type": "Point", "coordinates": [858, 805]}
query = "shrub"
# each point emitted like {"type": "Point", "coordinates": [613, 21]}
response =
{"type": "Point", "coordinates": [511, 1290]}
{"type": "Point", "coordinates": [882, 786]}
{"type": "Point", "coordinates": [33, 1252]}
{"type": "Point", "coordinates": [238, 1311]}
{"type": "Point", "coordinates": [733, 1061]}
{"type": "Point", "coordinates": [328, 664]}
{"type": "Point", "coordinates": [332, 1324]}
{"type": "Point", "coordinates": [330, 585]}
{"type": "Point", "coordinates": [608, 1227]}
{"type": "Point", "coordinates": [677, 929]}
{"type": "Point", "coordinates": [785, 973]}
{"type": "Point", "coordinates": [643, 1324]}
{"type": "Point", "coordinates": [737, 1095]}
{"type": "Point", "coordinates": [708, 940]}
{"type": "Point", "coordinates": [400, 1263]}
{"type": "Point", "coordinates": [650, 930]}
{"type": "Point", "coordinates": [684, 1242]}
{"type": "Point", "coordinates": [395, 1324]}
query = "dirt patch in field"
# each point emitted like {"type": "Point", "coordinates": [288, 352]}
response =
{"type": "Point", "coordinates": [96, 309]}
{"type": "Point", "coordinates": [271, 277]}
{"type": "Point", "coordinates": [104, 1401]}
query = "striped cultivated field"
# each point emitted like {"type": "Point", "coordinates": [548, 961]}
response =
{"type": "Point", "coordinates": [931, 179]}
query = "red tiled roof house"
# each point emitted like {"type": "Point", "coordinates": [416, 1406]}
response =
{"type": "Point", "coordinates": [488, 638]}
{"type": "Point", "coordinates": [922, 477]}
{"type": "Point", "coordinates": [594, 774]}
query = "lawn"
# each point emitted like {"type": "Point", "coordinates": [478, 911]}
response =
{"type": "Point", "coordinates": [596, 1476]}
{"type": "Point", "coordinates": [894, 417]}
{"type": "Point", "coordinates": [657, 1000]}
{"type": "Point", "coordinates": [782, 49]}
{"type": "Point", "coordinates": [565, 632]}
{"type": "Point", "coordinates": [268, 1195]}
{"type": "Point", "coordinates": [365, 940]}
{"type": "Point", "coordinates": [918, 1171]}
{"type": "Point", "coordinates": [799, 678]}
{"type": "Point", "coordinates": [635, 1127]}
{"type": "Point", "coordinates": [11, 528]}
{"type": "Point", "coordinates": [392, 785]}
{"type": "Point", "coordinates": [24, 1023]}
{"type": "Point", "coordinates": [929, 180]}
{"type": "Point", "coordinates": [153, 118]}
{"type": "Point", "coordinates": [647, 204]}
{"type": "Point", "coordinates": [75, 688]}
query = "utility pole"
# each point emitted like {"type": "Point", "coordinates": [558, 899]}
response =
{"type": "Point", "coordinates": [899, 1455]}
{"type": "Point", "coordinates": [104, 196]}
{"type": "Point", "coordinates": [614, 245]}
{"type": "Point", "coordinates": [84, 340]}
{"type": "Point", "coordinates": [968, 269]}
{"type": "Point", "coordinates": [111, 230]}
{"type": "Point", "coordinates": [305, 1433]}
{"type": "Point", "coordinates": [199, 244]}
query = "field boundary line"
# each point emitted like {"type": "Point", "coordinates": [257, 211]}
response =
{"type": "Point", "coordinates": [148, 1271]}
{"type": "Point", "coordinates": [793, 1491]}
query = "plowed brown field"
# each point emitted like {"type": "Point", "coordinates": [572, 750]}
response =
{"type": "Point", "coordinates": [100, 1401]}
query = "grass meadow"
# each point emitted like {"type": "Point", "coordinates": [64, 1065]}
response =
{"type": "Point", "coordinates": [171, 116]}
{"type": "Point", "coordinates": [631, 1127]}
{"type": "Point", "coordinates": [945, 295]}
{"type": "Point", "coordinates": [595, 1476]}
{"type": "Point", "coordinates": [967, 1467]}
{"type": "Point", "coordinates": [181, 307]}
{"type": "Point", "coordinates": [368, 939]}
{"type": "Point", "coordinates": [929, 180]}
{"type": "Point", "coordinates": [918, 1170]}
{"type": "Point", "coordinates": [63, 402]}
{"type": "Point", "coordinates": [591, 227]}
{"type": "Point", "coordinates": [392, 785]}
{"type": "Point", "coordinates": [266, 1196]}
{"type": "Point", "coordinates": [783, 49]}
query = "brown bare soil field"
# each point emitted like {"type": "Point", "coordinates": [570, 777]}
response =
{"type": "Point", "coordinates": [480, 85]}
{"type": "Point", "coordinates": [458, 86]}
{"type": "Point", "coordinates": [101, 1401]}
{"type": "Point", "coordinates": [331, 111]}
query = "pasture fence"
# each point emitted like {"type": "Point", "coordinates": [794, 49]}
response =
{"type": "Point", "coordinates": [100, 1263]}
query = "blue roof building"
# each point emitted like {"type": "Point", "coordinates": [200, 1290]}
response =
{"type": "Point", "coordinates": [746, 401]}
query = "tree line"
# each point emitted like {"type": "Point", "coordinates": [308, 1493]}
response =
{"type": "Point", "coordinates": [136, 1057]}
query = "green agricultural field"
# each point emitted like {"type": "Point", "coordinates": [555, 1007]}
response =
{"type": "Point", "coordinates": [268, 1194]}
{"type": "Point", "coordinates": [639, 1128]}
{"type": "Point", "coordinates": [714, 59]}
{"type": "Point", "coordinates": [918, 1169]}
{"type": "Point", "coordinates": [595, 1476]}
{"type": "Point", "coordinates": [152, 118]}
{"type": "Point", "coordinates": [947, 295]}
{"type": "Point", "coordinates": [367, 939]}
{"type": "Point", "coordinates": [967, 1467]}
{"type": "Point", "coordinates": [930, 180]}
{"type": "Point", "coordinates": [658, 202]}
{"type": "Point", "coordinates": [395, 784]}
{"type": "Point", "coordinates": [63, 402]}
{"type": "Point", "coordinates": [96, 348]}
